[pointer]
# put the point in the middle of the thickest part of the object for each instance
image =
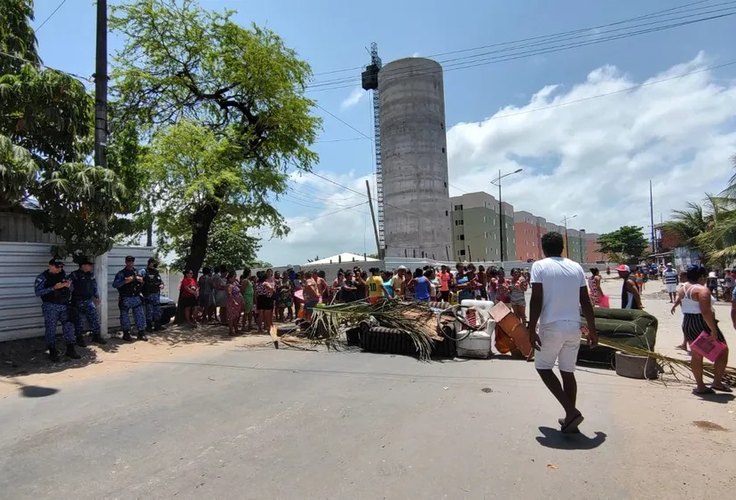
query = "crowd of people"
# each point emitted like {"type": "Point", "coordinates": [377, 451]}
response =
{"type": "Point", "coordinates": [241, 302]}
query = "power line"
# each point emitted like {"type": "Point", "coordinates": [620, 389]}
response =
{"type": "Point", "coordinates": [556, 42]}
{"type": "Point", "coordinates": [73, 75]}
{"type": "Point", "coordinates": [343, 121]}
{"type": "Point", "coordinates": [620, 91]}
{"type": "Point", "coordinates": [349, 139]}
{"type": "Point", "coordinates": [50, 15]}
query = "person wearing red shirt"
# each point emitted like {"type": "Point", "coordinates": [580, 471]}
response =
{"type": "Point", "coordinates": [445, 283]}
{"type": "Point", "coordinates": [188, 292]}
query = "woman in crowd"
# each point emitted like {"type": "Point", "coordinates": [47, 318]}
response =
{"type": "Point", "coordinates": [483, 281]}
{"type": "Point", "coordinates": [698, 316]}
{"type": "Point", "coordinates": [264, 302]}
{"type": "Point", "coordinates": [284, 299]}
{"type": "Point", "coordinates": [421, 286]}
{"type": "Point", "coordinates": [518, 287]}
{"type": "Point", "coordinates": [206, 297]}
{"type": "Point", "coordinates": [234, 304]}
{"type": "Point", "coordinates": [219, 285]}
{"type": "Point", "coordinates": [492, 284]}
{"type": "Point", "coordinates": [248, 291]}
{"type": "Point", "coordinates": [594, 287]}
{"type": "Point", "coordinates": [188, 293]}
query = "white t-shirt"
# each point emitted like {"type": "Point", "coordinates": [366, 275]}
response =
{"type": "Point", "coordinates": [561, 281]}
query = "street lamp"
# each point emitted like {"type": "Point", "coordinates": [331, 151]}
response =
{"type": "Point", "coordinates": [567, 248]}
{"type": "Point", "coordinates": [497, 182]}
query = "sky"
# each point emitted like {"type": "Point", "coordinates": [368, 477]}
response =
{"type": "Point", "coordinates": [590, 126]}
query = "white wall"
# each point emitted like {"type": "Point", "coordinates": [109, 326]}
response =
{"type": "Point", "coordinates": [20, 263]}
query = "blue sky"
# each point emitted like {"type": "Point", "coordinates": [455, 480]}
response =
{"type": "Point", "coordinates": [333, 35]}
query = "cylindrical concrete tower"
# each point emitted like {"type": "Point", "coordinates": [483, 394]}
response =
{"type": "Point", "coordinates": [414, 156]}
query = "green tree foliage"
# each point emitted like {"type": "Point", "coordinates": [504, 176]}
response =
{"type": "Point", "coordinates": [230, 245]}
{"type": "Point", "coordinates": [626, 244]}
{"type": "Point", "coordinates": [46, 135]}
{"type": "Point", "coordinates": [225, 109]}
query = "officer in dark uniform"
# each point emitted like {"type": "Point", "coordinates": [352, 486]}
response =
{"type": "Point", "coordinates": [54, 288]}
{"type": "Point", "coordinates": [128, 282]}
{"type": "Point", "coordinates": [152, 286]}
{"type": "Point", "coordinates": [85, 299]}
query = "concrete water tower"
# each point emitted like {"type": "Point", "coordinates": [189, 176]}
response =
{"type": "Point", "coordinates": [416, 197]}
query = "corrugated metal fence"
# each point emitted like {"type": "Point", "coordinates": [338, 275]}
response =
{"type": "Point", "coordinates": [20, 263]}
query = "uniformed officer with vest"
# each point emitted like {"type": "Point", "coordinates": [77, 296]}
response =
{"type": "Point", "coordinates": [85, 299]}
{"type": "Point", "coordinates": [54, 288]}
{"type": "Point", "coordinates": [128, 282]}
{"type": "Point", "coordinates": [152, 286]}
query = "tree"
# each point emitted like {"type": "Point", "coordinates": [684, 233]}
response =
{"type": "Point", "coordinates": [46, 125]}
{"type": "Point", "coordinates": [626, 244]}
{"type": "Point", "coordinates": [230, 245]}
{"type": "Point", "coordinates": [225, 109]}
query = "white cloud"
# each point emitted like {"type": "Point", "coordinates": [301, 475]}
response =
{"type": "Point", "coordinates": [594, 158]}
{"type": "Point", "coordinates": [357, 95]}
{"type": "Point", "coordinates": [333, 229]}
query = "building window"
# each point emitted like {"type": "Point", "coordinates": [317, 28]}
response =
{"type": "Point", "coordinates": [461, 252]}
{"type": "Point", "coordinates": [443, 150]}
{"type": "Point", "coordinates": [459, 223]}
{"type": "Point", "coordinates": [458, 207]}
{"type": "Point", "coordinates": [447, 213]}
{"type": "Point", "coordinates": [461, 237]}
{"type": "Point", "coordinates": [485, 235]}
{"type": "Point", "coordinates": [445, 184]}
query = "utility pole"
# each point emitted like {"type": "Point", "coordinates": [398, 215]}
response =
{"type": "Point", "coordinates": [567, 248]}
{"type": "Point", "coordinates": [101, 264]}
{"type": "Point", "coordinates": [651, 217]}
{"type": "Point", "coordinates": [500, 208]}
{"type": "Point", "coordinates": [101, 85]}
{"type": "Point", "coordinates": [373, 217]}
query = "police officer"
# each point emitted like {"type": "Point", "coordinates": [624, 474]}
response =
{"type": "Point", "coordinates": [54, 288]}
{"type": "Point", "coordinates": [85, 299]}
{"type": "Point", "coordinates": [128, 282]}
{"type": "Point", "coordinates": [152, 286]}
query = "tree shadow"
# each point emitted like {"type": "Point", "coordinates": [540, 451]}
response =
{"type": "Point", "coordinates": [554, 438]}
{"type": "Point", "coordinates": [32, 391]}
{"type": "Point", "coordinates": [29, 356]}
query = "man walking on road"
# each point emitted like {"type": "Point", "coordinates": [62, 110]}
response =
{"type": "Point", "coordinates": [670, 281]}
{"type": "Point", "coordinates": [559, 289]}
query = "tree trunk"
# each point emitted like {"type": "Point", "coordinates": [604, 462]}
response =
{"type": "Point", "coordinates": [201, 224]}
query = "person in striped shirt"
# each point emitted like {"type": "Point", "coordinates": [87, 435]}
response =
{"type": "Point", "coordinates": [670, 281]}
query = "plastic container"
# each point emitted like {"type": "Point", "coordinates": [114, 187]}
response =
{"type": "Point", "coordinates": [704, 346]}
{"type": "Point", "coordinates": [476, 344]}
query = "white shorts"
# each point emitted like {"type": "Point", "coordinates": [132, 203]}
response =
{"type": "Point", "coordinates": [560, 341]}
{"type": "Point", "coordinates": [671, 288]}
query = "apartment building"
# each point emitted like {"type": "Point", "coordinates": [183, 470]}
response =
{"type": "Point", "coordinates": [475, 233]}
{"type": "Point", "coordinates": [475, 228]}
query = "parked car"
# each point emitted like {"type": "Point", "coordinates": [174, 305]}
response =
{"type": "Point", "coordinates": [168, 310]}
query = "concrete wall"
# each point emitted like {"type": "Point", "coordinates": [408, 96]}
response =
{"type": "Point", "coordinates": [414, 157]}
{"type": "Point", "coordinates": [20, 263]}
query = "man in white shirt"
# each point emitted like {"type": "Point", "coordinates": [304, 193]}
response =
{"type": "Point", "coordinates": [670, 281]}
{"type": "Point", "coordinates": [559, 291]}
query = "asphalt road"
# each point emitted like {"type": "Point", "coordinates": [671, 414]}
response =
{"type": "Point", "coordinates": [289, 424]}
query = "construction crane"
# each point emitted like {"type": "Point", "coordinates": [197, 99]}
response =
{"type": "Point", "coordinates": [369, 79]}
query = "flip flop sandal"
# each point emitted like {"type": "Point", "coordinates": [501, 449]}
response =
{"type": "Point", "coordinates": [571, 427]}
{"type": "Point", "coordinates": [725, 388]}
{"type": "Point", "coordinates": [703, 392]}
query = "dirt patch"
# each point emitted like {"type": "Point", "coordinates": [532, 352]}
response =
{"type": "Point", "coordinates": [487, 390]}
{"type": "Point", "coordinates": [708, 426]}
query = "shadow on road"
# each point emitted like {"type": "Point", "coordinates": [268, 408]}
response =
{"type": "Point", "coordinates": [716, 398]}
{"type": "Point", "coordinates": [554, 438]}
{"type": "Point", "coordinates": [32, 391]}
{"type": "Point", "coordinates": [23, 357]}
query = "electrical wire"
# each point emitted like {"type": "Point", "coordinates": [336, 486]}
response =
{"type": "Point", "coordinates": [50, 15]}
{"type": "Point", "coordinates": [67, 73]}
{"type": "Point", "coordinates": [549, 44]}
{"type": "Point", "coordinates": [343, 122]}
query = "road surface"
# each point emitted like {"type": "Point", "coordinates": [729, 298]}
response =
{"type": "Point", "coordinates": [230, 422]}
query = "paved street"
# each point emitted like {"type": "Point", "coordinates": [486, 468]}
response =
{"type": "Point", "coordinates": [230, 422]}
